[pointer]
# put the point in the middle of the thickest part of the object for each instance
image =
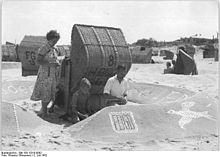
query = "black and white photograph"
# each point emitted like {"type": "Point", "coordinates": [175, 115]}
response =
{"type": "Point", "coordinates": [109, 76]}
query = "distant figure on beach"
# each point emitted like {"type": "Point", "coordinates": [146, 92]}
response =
{"type": "Point", "coordinates": [173, 63]}
{"type": "Point", "coordinates": [168, 70]}
{"type": "Point", "coordinates": [195, 71]}
{"type": "Point", "coordinates": [79, 102]}
{"type": "Point", "coordinates": [116, 88]}
{"type": "Point", "coordinates": [45, 85]}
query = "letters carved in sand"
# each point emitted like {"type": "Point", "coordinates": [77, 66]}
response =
{"type": "Point", "coordinates": [123, 122]}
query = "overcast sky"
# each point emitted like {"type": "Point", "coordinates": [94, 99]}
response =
{"type": "Point", "coordinates": [160, 20]}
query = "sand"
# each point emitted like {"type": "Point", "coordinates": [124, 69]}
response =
{"type": "Point", "coordinates": [157, 103]}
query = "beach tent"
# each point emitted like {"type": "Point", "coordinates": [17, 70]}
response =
{"type": "Point", "coordinates": [209, 51]}
{"type": "Point", "coordinates": [185, 64]}
{"type": "Point", "coordinates": [208, 54]}
{"type": "Point", "coordinates": [27, 52]}
{"type": "Point", "coordinates": [141, 54]}
{"type": "Point", "coordinates": [9, 53]}
{"type": "Point", "coordinates": [96, 51]}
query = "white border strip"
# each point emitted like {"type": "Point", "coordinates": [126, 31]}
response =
{"type": "Point", "coordinates": [186, 54]}
{"type": "Point", "coordinates": [16, 119]}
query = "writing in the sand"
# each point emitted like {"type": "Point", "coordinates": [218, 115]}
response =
{"type": "Point", "coordinates": [123, 122]}
{"type": "Point", "coordinates": [16, 89]}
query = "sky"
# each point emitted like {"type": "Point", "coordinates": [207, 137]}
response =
{"type": "Point", "coordinates": [160, 20]}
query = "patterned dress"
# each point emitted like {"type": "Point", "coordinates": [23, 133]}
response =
{"type": "Point", "coordinates": [45, 86]}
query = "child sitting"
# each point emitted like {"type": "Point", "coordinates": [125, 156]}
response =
{"type": "Point", "coordinates": [168, 70]}
{"type": "Point", "coordinates": [79, 102]}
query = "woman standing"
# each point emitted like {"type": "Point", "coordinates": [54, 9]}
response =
{"type": "Point", "coordinates": [45, 86]}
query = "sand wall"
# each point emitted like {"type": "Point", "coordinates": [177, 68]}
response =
{"type": "Point", "coordinates": [10, 65]}
{"type": "Point", "coordinates": [16, 120]}
{"type": "Point", "coordinates": [195, 116]}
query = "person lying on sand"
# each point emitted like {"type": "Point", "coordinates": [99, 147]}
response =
{"type": "Point", "coordinates": [116, 88]}
{"type": "Point", "coordinates": [168, 70]}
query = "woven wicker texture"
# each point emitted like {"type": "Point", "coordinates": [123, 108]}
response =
{"type": "Point", "coordinates": [96, 52]}
{"type": "Point", "coordinates": [9, 53]}
{"type": "Point", "coordinates": [32, 41]}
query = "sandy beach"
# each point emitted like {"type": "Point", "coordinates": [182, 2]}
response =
{"type": "Point", "coordinates": [155, 126]}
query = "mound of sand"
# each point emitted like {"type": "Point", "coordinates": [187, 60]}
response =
{"type": "Point", "coordinates": [195, 116]}
{"type": "Point", "coordinates": [16, 120]}
{"type": "Point", "coordinates": [146, 93]}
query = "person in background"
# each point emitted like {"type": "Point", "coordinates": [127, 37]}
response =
{"type": "Point", "coordinates": [45, 85]}
{"type": "Point", "coordinates": [79, 102]}
{"type": "Point", "coordinates": [168, 70]}
{"type": "Point", "coordinates": [195, 70]}
{"type": "Point", "coordinates": [116, 88]}
{"type": "Point", "coordinates": [173, 63]}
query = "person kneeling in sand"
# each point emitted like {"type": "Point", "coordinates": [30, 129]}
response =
{"type": "Point", "coordinates": [168, 70]}
{"type": "Point", "coordinates": [79, 100]}
{"type": "Point", "coordinates": [115, 90]}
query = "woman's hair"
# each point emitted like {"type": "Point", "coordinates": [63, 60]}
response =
{"type": "Point", "coordinates": [85, 82]}
{"type": "Point", "coordinates": [52, 34]}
